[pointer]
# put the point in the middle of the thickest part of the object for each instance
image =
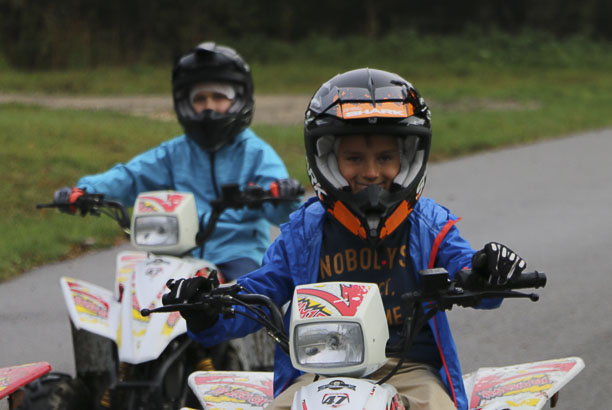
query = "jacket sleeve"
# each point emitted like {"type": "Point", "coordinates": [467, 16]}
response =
{"type": "Point", "coordinates": [148, 171]}
{"type": "Point", "coordinates": [442, 245]}
{"type": "Point", "coordinates": [455, 253]}
{"type": "Point", "coordinates": [273, 279]}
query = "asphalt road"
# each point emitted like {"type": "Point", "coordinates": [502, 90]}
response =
{"type": "Point", "coordinates": [548, 201]}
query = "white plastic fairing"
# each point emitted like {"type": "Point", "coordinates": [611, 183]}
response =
{"type": "Point", "coordinates": [328, 332]}
{"type": "Point", "coordinates": [346, 393]}
{"type": "Point", "coordinates": [526, 386]}
{"type": "Point", "coordinates": [164, 222]}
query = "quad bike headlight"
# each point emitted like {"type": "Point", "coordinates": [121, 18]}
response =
{"type": "Point", "coordinates": [338, 328]}
{"type": "Point", "coordinates": [156, 230]}
{"type": "Point", "coordinates": [331, 344]}
{"type": "Point", "coordinates": [164, 222]}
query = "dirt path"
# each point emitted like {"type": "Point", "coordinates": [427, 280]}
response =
{"type": "Point", "coordinates": [277, 109]}
{"type": "Point", "coordinates": [269, 109]}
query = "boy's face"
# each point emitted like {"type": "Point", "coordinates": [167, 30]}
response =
{"type": "Point", "coordinates": [365, 160]}
{"type": "Point", "coordinates": [212, 96]}
{"type": "Point", "coordinates": [209, 100]}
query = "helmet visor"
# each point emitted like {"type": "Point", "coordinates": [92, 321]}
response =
{"type": "Point", "coordinates": [356, 102]}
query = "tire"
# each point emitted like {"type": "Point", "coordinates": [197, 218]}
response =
{"type": "Point", "coordinates": [56, 391]}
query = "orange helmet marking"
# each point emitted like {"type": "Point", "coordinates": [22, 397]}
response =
{"type": "Point", "coordinates": [346, 218]}
{"type": "Point", "coordinates": [395, 219]}
{"type": "Point", "coordinates": [388, 109]}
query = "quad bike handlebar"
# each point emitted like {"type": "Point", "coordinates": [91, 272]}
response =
{"type": "Point", "coordinates": [225, 299]}
{"type": "Point", "coordinates": [467, 289]}
{"type": "Point", "coordinates": [252, 197]}
{"type": "Point", "coordinates": [96, 205]}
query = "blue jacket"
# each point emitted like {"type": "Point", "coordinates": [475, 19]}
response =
{"type": "Point", "coordinates": [181, 165]}
{"type": "Point", "coordinates": [293, 259]}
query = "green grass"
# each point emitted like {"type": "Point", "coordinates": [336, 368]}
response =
{"type": "Point", "coordinates": [484, 93]}
{"type": "Point", "coordinates": [43, 150]}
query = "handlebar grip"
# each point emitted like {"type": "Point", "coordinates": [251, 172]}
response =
{"type": "Point", "coordinates": [529, 280]}
{"type": "Point", "coordinates": [472, 281]}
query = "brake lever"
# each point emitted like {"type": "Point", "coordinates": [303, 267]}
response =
{"type": "Point", "coordinates": [179, 307]}
{"type": "Point", "coordinates": [220, 294]}
{"type": "Point", "coordinates": [473, 299]}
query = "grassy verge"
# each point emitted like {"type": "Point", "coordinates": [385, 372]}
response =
{"type": "Point", "coordinates": [43, 150]}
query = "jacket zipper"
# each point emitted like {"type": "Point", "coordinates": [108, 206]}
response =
{"type": "Point", "coordinates": [212, 172]}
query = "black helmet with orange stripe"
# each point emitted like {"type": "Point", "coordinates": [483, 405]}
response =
{"type": "Point", "coordinates": [371, 103]}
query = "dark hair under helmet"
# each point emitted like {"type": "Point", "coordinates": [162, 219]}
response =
{"type": "Point", "coordinates": [209, 62]}
{"type": "Point", "coordinates": [368, 102]}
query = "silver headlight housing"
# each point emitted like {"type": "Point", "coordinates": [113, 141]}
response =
{"type": "Point", "coordinates": [329, 344]}
{"type": "Point", "coordinates": [156, 230]}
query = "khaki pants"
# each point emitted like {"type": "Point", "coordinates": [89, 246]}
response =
{"type": "Point", "coordinates": [418, 382]}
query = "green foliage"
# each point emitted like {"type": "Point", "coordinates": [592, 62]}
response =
{"type": "Point", "coordinates": [85, 34]}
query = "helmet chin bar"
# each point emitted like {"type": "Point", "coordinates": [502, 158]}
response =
{"type": "Point", "coordinates": [211, 129]}
{"type": "Point", "coordinates": [370, 204]}
{"type": "Point", "coordinates": [217, 131]}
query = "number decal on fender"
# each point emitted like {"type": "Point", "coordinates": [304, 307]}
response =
{"type": "Point", "coordinates": [335, 399]}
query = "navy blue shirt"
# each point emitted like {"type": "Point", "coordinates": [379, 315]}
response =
{"type": "Point", "coordinates": [345, 257]}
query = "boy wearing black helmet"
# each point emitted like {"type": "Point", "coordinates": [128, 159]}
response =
{"type": "Point", "coordinates": [212, 90]}
{"type": "Point", "coordinates": [367, 135]}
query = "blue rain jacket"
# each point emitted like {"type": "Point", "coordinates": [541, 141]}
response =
{"type": "Point", "coordinates": [293, 259]}
{"type": "Point", "coordinates": [181, 165]}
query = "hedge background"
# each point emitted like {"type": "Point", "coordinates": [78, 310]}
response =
{"type": "Point", "coordinates": [39, 34]}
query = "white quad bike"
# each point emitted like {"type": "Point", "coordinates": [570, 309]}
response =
{"type": "Point", "coordinates": [124, 360]}
{"type": "Point", "coordinates": [339, 330]}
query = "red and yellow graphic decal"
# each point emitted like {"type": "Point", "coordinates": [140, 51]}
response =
{"type": "Point", "coordinates": [153, 203]}
{"type": "Point", "coordinates": [171, 321]}
{"type": "Point", "coordinates": [309, 308]}
{"type": "Point", "coordinates": [87, 303]}
{"type": "Point", "coordinates": [136, 308]}
{"type": "Point", "coordinates": [533, 381]}
{"type": "Point", "coordinates": [235, 389]}
{"type": "Point", "coordinates": [173, 318]}
{"type": "Point", "coordinates": [351, 297]}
